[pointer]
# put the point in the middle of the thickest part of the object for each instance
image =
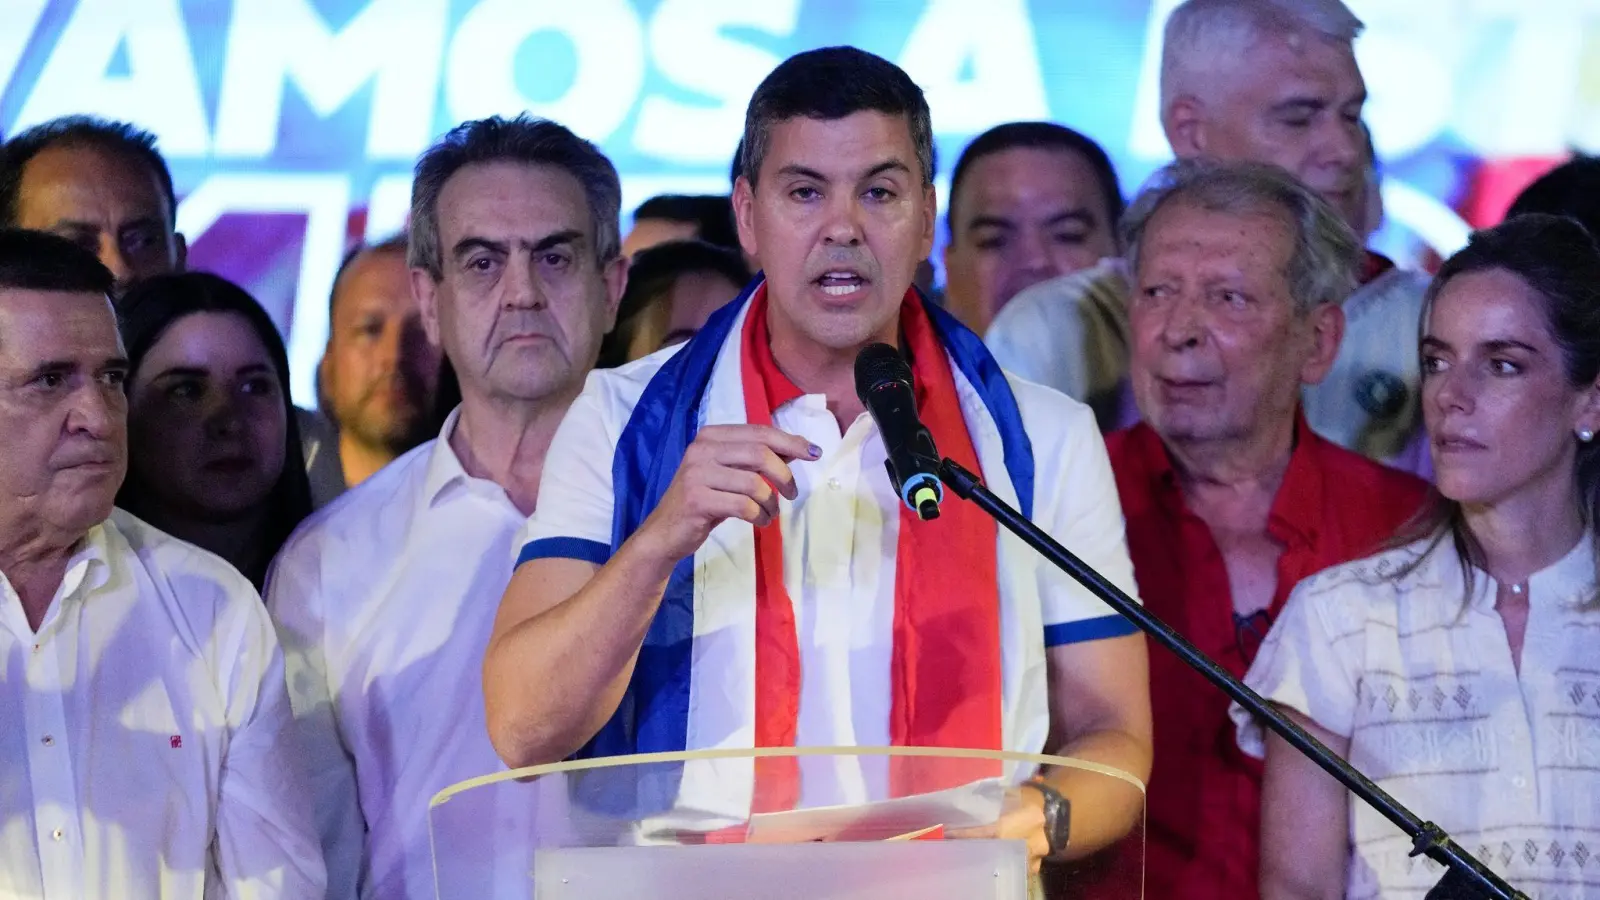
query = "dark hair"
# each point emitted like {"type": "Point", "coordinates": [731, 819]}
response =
{"type": "Point", "coordinates": [147, 310]}
{"type": "Point", "coordinates": [40, 261]}
{"type": "Point", "coordinates": [1038, 136]}
{"type": "Point", "coordinates": [527, 140]}
{"type": "Point", "coordinates": [78, 131]}
{"type": "Point", "coordinates": [650, 280]}
{"type": "Point", "coordinates": [832, 83]}
{"type": "Point", "coordinates": [1571, 189]}
{"type": "Point", "coordinates": [1559, 261]}
{"type": "Point", "coordinates": [393, 244]}
{"type": "Point", "coordinates": [710, 214]}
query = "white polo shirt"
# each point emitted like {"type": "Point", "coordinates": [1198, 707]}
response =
{"type": "Point", "coordinates": [144, 733]}
{"type": "Point", "coordinates": [840, 539]}
{"type": "Point", "coordinates": [385, 600]}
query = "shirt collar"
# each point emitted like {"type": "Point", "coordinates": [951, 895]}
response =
{"type": "Point", "coordinates": [91, 559]}
{"type": "Point", "coordinates": [1569, 581]}
{"type": "Point", "coordinates": [88, 569]}
{"type": "Point", "coordinates": [1373, 265]}
{"type": "Point", "coordinates": [444, 467]}
{"type": "Point", "coordinates": [1296, 507]}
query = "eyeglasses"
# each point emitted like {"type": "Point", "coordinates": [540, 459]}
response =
{"type": "Point", "coordinates": [1249, 631]}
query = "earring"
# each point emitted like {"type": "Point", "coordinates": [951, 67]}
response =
{"type": "Point", "coordinates": [1585, 435]}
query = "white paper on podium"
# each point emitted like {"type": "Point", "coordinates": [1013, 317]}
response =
{"type": "Point", "coordinates": [969, 805]}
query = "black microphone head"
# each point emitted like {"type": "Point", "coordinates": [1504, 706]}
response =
{"type": "Point", "coordinates": [879, 364]}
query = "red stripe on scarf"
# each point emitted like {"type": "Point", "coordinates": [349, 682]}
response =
{"type": "Point", "coordinates": [946, 664]}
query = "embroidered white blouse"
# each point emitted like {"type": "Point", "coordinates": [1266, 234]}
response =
{"type": "Point", "coordinates": [1420, 679]}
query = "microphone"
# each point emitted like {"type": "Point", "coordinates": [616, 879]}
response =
{"type": "Point", "coordinates": [883, 383]}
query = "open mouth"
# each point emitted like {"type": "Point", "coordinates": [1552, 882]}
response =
{"type": "Point", "coordinates": [840, 282]}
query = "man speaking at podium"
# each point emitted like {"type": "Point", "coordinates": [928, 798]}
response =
{"type": "Point", "coordinates": [718, 559]}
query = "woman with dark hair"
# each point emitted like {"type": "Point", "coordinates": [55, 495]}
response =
{"type": "Point", "coordinates": [672, 289]}
{"type": "Point", "coordinates": [214, 452]}
{"type": "Point", "coordinates": [1458, 669]}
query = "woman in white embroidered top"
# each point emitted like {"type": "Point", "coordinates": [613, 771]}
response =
{"type": "Point", "coordinates": [1461, 669]}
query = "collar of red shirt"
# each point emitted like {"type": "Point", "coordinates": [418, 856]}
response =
{"type": "Point", "coordinates": [1373, 265]}
{"type": "Point", "coordinates": [1296, 509]}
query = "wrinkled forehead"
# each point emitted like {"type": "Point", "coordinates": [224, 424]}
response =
{"type": "Point", "coordinates": [57, 326]}
{"type": "Point", "coordinates": [1280, 66]}
{"type": "Point", "coordinates": [86, 182]}
{"type": "Point", "coordinates": [507, 201]}
{"type": "Point", "coordinates": [1248, 238]}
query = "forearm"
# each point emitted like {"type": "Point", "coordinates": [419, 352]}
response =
{"type": "Point", "coordinates": [1305, 821]}
{"type": "Point", "coordinates": [1104, 807]}
{"type": "Point", "coordinates": [553, 679]}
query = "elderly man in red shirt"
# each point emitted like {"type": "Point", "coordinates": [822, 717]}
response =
{"type": "Point", "coordinates": [1230, 498]}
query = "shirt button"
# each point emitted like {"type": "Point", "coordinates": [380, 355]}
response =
{"type": "Point", "coordinates": [48, 741]}
{"type": "Point", "coordinates": [57, 835]}
{"type": "Point", "coordinates": [1519, 782]}
{"type": "Point", "coordinates": [835, 483]}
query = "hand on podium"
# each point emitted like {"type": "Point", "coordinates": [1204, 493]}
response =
{"type": "Point", "coordinates": [1021, 818]}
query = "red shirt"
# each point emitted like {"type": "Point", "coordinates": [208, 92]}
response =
{"type": "Point", "coordinates": [1203, 813]}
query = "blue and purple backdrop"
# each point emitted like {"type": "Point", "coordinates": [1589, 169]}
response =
{"type": "Point", "coordinates": [291, 125]}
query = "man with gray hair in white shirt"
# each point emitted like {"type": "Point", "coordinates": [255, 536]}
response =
{"type": "Point", "coordinates": [144, 747]}
{"type": "Point", "coordinates": [1271, 81]}
{"type": "Point", "coordinates": [385, 598]}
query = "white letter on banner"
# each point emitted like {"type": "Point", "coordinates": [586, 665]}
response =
{"type": "Point", "coordinates": [160, 91]}
{"type": "Point", "coordinates": [688, 45]}
{"type": "Point", "coordinates": [480, 79]}
{"type": "Point", "coordinates": [996, 36]}
{"type": "Point", "coordinates": [395, 45]}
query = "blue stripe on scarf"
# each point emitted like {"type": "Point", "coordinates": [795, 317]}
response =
{"type": "Point", "coordinates": [654, 714]}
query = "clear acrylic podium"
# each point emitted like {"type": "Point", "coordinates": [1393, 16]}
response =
{"type": "Point", "coordinates": [844, 824]}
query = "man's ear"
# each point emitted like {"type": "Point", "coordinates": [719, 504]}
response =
{"type": "Point", "coordinates": [744, 203]}
{"type": "Point", "coordinates": [426, 292]}
{"type": "Point", "coordinates": [615, 275]}
{"type": "Point", "coordinates": [930, 219]}
{"type": "Point", "coordinates": [180, 252]}
{"type": "Point", "coordinates": [1327, 332]}
{"type": "Point", "coordinates": [323, 366]}
{"type": "Point", "coordinates": [1184, 121]}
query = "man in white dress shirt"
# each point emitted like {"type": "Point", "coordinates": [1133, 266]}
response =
{"type": "Point", "coordinates": [385, 598]}
{"type": "Point", "coordinates": [143, 747]}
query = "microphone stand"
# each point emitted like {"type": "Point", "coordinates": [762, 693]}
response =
{"type": "Point", "coordinates": [1465, 878]}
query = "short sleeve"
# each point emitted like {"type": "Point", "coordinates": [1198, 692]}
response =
{"type": "Point", "coordinates": [1311, 660]}
{"type": "Point", "coordinates": [1077, 503]}
{"type": "Point", "coordinates": [573, 516]}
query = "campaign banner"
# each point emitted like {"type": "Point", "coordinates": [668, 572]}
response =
{"type": "Point", "coordinates": [291, 125]}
